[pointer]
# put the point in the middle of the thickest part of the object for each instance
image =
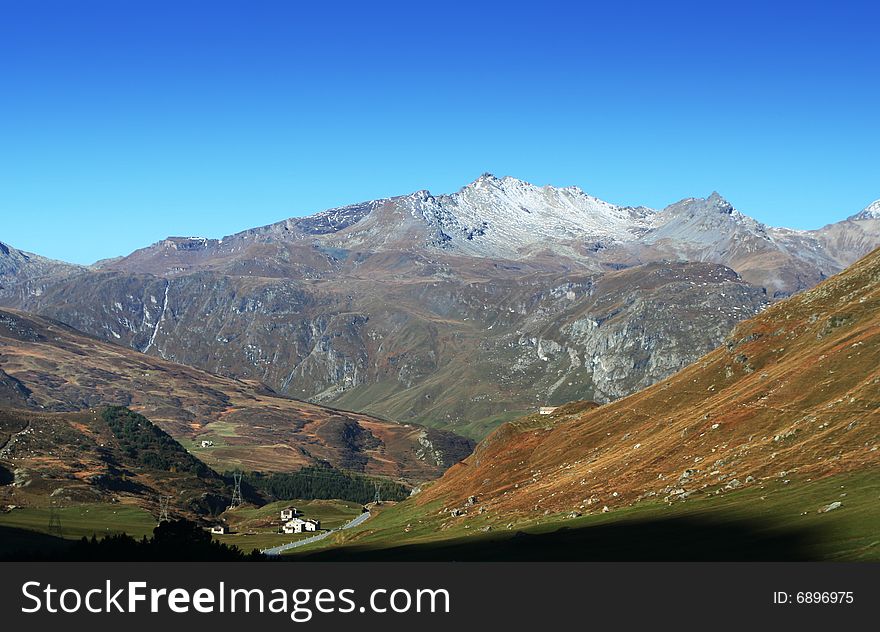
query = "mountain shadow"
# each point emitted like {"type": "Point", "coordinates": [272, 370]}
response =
{"type": "Point", "coordinates": [691, 539]}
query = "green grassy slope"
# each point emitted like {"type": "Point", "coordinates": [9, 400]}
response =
{"type": "Point", "coordinates": [776, 521]}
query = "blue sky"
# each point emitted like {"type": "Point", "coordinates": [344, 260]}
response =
{"type": "Point", "coordinates": [124, 122]}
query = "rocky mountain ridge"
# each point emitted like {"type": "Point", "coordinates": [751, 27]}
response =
{"type": "Point", "coordinates": [457, 310]}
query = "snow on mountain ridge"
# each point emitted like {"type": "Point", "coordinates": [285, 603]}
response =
{"type": "Point", "coordinates": [500, 215]}
{"type": "Point", "coordinates": [872, 211]}
{"type": "Point", "coordinates": [510, 218]}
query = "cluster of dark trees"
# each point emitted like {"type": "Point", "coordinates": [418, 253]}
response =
{"type": "Point", "coordinates": [174, 541]}
{"type": "Point", "coordinates": [150, 446]}
{"type": "Point", "coordinates": [324, 483]}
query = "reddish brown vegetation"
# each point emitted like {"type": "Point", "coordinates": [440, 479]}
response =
{"type": "Point", "coordinates": [795, 389]}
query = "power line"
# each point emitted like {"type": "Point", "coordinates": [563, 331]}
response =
{"type": "Point", "coordinates": [355, 477]}
{"type": "Point", "coordinates": [309, 476]}
{"type": "Point", "coordinates": [338, 474]}
{"type": "Point", "coordinates": [331, 473]}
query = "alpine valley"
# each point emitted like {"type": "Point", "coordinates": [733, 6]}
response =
{"type": "Point", "coordinates": [709, 384]}
{"type": "Point", "coordinates": [452, 311]}
{"type": "Point", "coordinates": [766, 448]}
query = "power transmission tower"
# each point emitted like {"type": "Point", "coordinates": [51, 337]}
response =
{"type": "Point", "coordinates": [164, 503]}
{"type": "Point", "coordinates": [236, 492]}
{"type": "Point", "coordinates": [55, 522]}
{"type": "Point", "coordinates": [377, 498]}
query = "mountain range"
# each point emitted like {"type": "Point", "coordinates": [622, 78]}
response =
{"type": "Point", "coordinates": [457, 311]}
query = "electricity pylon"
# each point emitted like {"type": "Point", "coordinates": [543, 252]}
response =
{"type": "Point", "coordinates": [236, 492]}
{"type": "Point", "coordinates": [164, 503]}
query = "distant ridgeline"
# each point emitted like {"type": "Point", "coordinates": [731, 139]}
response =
{"type": "Point", "coordinates": [324, 483]}
{"type": "Point", "coordinates": [151, 446]}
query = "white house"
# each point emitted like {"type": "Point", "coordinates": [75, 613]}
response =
{"type": "Point", "coordinates": [295, 525]}
{"type": "Point", "coordinates": [298, 525]}
{"type": "Point", "coordinates": [220, 529]}
{"type": "Point", "coordinates": [290, 512]}
{"type": "Point", "coordinates": [207, 444]}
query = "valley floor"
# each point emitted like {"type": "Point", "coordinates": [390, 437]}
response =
{"type": "Point", "coordinates": [776, 521]}
{"type": "Point", "coordinates": [257, 527]}
{"type": "Point", "coordinates": [28, 529]}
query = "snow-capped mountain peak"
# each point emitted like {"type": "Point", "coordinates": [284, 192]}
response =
{"type": "Point", "coordinates": [872, 211]}
{"type": "Point", "coordinates": [505, 215]}
{"type": "Point", "coordinates": [508, 218]}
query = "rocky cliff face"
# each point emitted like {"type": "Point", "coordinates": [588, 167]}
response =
{"type": "Point", "coordinates": [438, 350]}
{"type": "Point", "coordinates": [24, 274]}
{"type": "Point", "coordinates": [454, 310]}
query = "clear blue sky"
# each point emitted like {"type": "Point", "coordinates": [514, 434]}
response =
{"type": "Point", "coordinates": [124, 122]}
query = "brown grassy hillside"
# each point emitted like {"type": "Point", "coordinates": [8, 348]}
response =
{"type": "Point", "coordinates": [48, 366]}
{"type": "Point", "coordinates": [794, 392]}
{"type": "Point", "coordinates": [79, 458]}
